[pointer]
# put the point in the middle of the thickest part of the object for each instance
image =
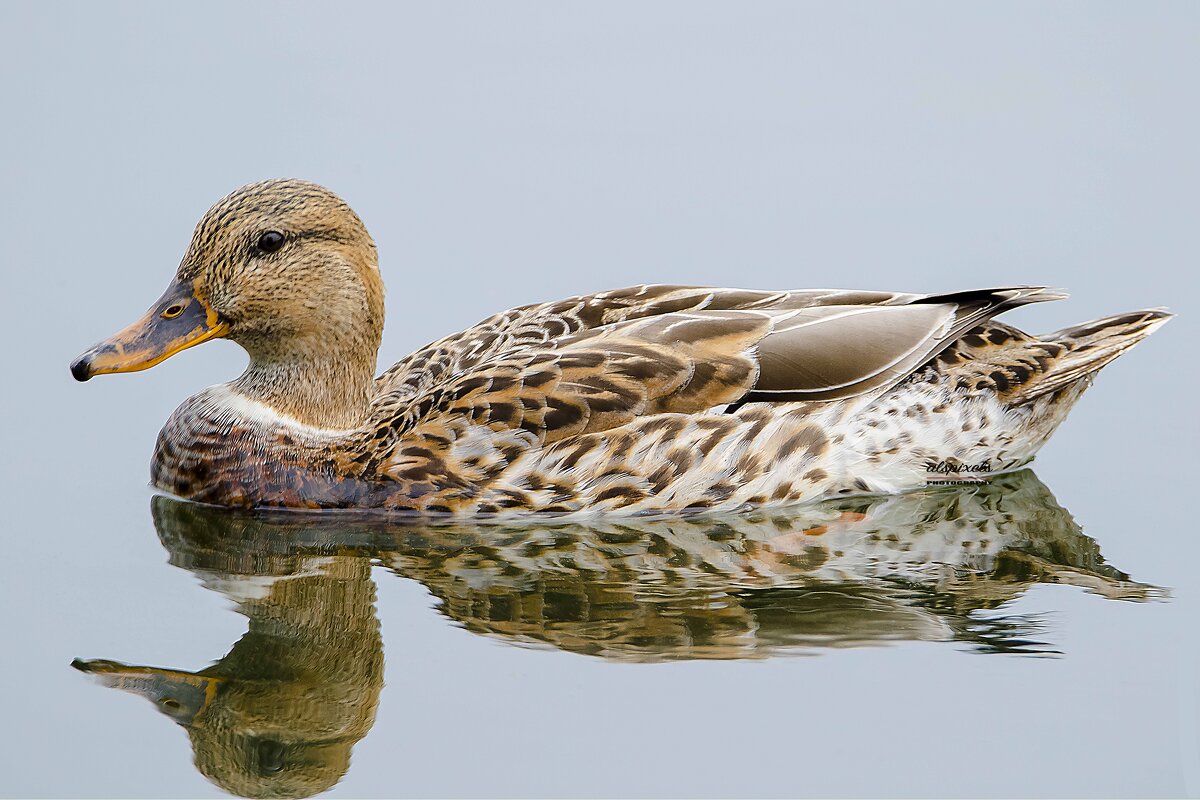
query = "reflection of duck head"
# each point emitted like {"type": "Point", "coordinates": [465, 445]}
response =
{"type": "Point", "coordinates": [279, 714]}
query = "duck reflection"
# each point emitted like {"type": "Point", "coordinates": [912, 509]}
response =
{"type": "Point", "coordinates": [926, 566]}
{"type": "Point", "coordinates": [279, 714]}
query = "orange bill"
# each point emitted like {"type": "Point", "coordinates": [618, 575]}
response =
{"type": "Point", "coordinates": [179, 320]}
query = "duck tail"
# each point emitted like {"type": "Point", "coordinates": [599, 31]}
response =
{"type": "Point", "coordinates": [1089, 346]}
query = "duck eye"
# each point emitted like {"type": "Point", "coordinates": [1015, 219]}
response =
{"type": "Point", "coordinates": [270, 241]}
{"type": "Point", "coordinates": [270, 757]}
{"type": "Point", "coordinates": [172, 311]}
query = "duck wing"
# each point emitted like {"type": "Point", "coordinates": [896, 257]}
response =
{"type": "Point", "coordinates": [688, 362]}
{"type": "Point", "coordinates": [538, 325]}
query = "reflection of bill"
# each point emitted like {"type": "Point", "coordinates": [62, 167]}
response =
{"type": "Point", "coordinates": [279, 714]}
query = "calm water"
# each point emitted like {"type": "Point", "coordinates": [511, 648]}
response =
{"type": "Point", "coordinates": [965, 639]}
{"type": "Point", "coordinates": [1033, 637]}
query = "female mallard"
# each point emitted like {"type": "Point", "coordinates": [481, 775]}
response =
{"type": "Point", "coordinates": [651, 398]}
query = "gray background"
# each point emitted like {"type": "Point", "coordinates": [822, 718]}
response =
{"type": "Point", "coordinates": [506, 153]}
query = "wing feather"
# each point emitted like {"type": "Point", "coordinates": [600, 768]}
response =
{"type": "Point", "coordinates": [542, 323]}
{"type": "Point", "coordinates": [772, 347]}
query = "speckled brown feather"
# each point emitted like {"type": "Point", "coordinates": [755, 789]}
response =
{"type": "Point", "coordinates": [608, 418]}
{"type": "Point", "coordinates": [1019, 368]}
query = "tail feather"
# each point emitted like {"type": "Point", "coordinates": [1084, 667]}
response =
{"type": "Point", "coordinates": [1090, 346]}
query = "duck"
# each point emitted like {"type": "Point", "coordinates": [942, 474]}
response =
{"type": "Point", "coordinates": [641, 400]}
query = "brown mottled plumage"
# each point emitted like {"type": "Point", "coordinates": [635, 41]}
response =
{"type": "Point", "coordinates": [649, 398]}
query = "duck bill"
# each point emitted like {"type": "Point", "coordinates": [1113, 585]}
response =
{"type": "Point", "coordinates": [178, 694]}
{"type": "Point", "coordinates": [180, 319]}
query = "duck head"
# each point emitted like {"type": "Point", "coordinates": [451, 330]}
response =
{"type": "Point", "coordinates": [287, 270]}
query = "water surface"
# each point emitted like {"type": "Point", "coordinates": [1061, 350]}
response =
{"type": "Point", "coordinates": [281, 711]}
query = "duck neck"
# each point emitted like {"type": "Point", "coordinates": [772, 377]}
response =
{"type": "Point", "coordinates": [321, 391]}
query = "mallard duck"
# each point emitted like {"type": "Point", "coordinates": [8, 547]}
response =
{"type": "Point", "coordinates": [644, 399]}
